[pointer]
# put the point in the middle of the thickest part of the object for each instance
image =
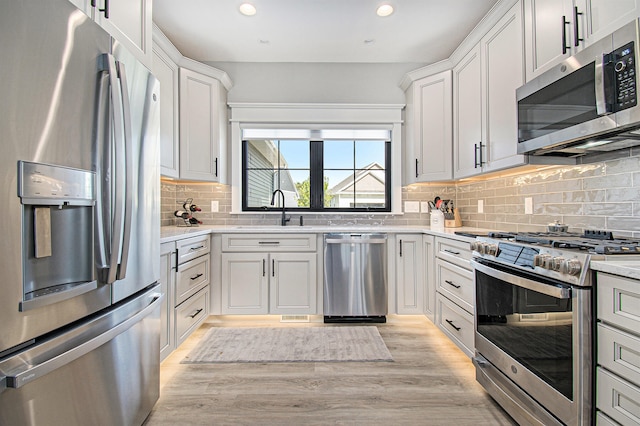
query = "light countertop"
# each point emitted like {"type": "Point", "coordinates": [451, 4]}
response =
{"type": "Point", "coordinates": [624, 268]}
{"type": "Point", "coordinates": [173, 233]}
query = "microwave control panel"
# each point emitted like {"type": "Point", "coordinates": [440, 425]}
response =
{"type": "Point", "coordinates": [624, 66]}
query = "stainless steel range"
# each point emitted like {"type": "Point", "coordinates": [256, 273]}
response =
{"type": "Point", "coordinates": [533, 321]}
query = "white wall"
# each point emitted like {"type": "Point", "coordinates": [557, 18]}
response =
{"type": "Point", "coordinates": [359, 83]}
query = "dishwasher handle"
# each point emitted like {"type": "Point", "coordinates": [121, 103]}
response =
{"type": "Point", "coordinates": [355, 239]}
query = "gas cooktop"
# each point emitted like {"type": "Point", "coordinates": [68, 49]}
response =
{"type": "Point", "coordinates": [598, 242]}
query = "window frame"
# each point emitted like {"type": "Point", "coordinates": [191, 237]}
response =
{"type": "Point", "coordinates": [316, 181]}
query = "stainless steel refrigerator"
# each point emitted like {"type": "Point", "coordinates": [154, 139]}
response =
{"type": "Point", "coordinates": [79, 195]}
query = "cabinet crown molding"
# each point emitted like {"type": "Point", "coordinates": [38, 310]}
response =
{"type": "Point", "coordinates": [486, 23]}
{"type": "Point", "coordinates": [161, 40]}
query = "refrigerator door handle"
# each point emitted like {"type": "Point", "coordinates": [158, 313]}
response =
{"type": "Point", "coordinates": [128, 166]}
{"type": "Point", "coordinates": [102, 126]}
{"type": "Point", "coordinates": [118, 186]}
{"type": "Point", "coordinates": [18, 379]}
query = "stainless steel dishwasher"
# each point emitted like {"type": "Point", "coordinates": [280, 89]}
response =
{"type": "Point", "coordinates": [355, 277]}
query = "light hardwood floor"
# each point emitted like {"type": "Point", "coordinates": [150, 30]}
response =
{"type": "Point", "coordinates": [430, 382]}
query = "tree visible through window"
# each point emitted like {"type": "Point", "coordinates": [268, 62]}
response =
{"type": "Point", "coordinates": [317, 175]}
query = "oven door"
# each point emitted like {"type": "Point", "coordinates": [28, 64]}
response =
{"type": "Point", "coordinates": [537, 333]}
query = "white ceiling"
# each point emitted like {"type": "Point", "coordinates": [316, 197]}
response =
{"type": "Point", "coordinates": [419, 31]}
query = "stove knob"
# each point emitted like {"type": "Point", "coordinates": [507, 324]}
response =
{"type": "Point", "coordinates": [541, 260]}
{"type": "Point", "coordinates": [556, 263]}
{"type": "Point", "coordinates": [475, 246]}
{"type": "Point", "coordinates": [492, 249]}
{"type": "Point", "coordinates": [571, 267]}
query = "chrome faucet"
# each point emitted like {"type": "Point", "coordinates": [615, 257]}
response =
{"type": "Point", "coordinates": [285, 219]}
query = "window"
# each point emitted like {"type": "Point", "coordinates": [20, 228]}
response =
{"type": "Point", "coordinates": [324, 172]}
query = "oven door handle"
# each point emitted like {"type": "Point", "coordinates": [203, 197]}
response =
{"type": "Point", "coordinates": [549, 290]}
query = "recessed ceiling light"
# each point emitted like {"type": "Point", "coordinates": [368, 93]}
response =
{"type": "Point", "coordinates": [384, 10]}
{"type": "Point", "coordinates": [247, 9]}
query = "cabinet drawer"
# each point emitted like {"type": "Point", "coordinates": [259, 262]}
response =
{"type": "Point", "coordinates": [191, 277]}
{"type": "Point", "coordinates": [617, 398]}
{"type": "Point", "coordinates": [191, 313]}
{"type": "Point", "coordinates": [268, 242]}
{"type": "Point", "coordinates": [619, 352]}
{"type": "Point", "coordinates": [454, 251]}
{"type": "Point", "coordinates": [602, 420]}
{"type": "Point", "coordinates": [190, 248]}
{"type": "Point", "coordinates": [456, 283]}
{"type": "Point", "coordinates": [456, 323]}
{"type": "Point", "coordinates": [619, 301]}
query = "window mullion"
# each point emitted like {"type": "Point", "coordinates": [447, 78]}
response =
{"type": "Point", "coordinates": [316, 175]}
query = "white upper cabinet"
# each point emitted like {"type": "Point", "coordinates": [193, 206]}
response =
{"type": "Point", "coordinates": [467, 115]}
{"type": "Point", "coordinates": [128, 21]}
{"type": "Point", "coordinates": [203, 127]}
{"type": "Point", "coordinates": [428, 129]}
{"type": "Point", "coordinates": [166, 71]}
{"type": "Point", "coordinates": [484, 100]}
{"type": "Point", "coordinates": [557, 29]}
{"type": "Point", "coordinates": [502, 60]}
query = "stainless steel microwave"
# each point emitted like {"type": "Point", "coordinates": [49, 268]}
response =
{"type": "Point", "coordinates": [587, 103]}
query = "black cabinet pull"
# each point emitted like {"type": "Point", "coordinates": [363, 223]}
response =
{"type": "Point", "coordinates": [264, 266]}
{"type": "Point", "coordinates": [196, 277]}
{"type": "Point", "coordinates": [177, 257]}
{"type": "Point", "coordinates": [416, 167]}
{"type": "Point", "coordinates": [105, 11]}
{"type": "Point", "coordinates": [452, 324]}
{"type": "Point", "coordinates": [195, 314]}
{"type": "Point", "coordinates": [273, 267]}
{"type": "Point", "coordinates": [576, 30]}
{"type": "Point", "coordinates": [93, 3]}
{"type": "Point", "coordinates": [457, 253]}
{"type": "Point", "coordinates": [196, 248]}
{"type": "Point", "coordinates": [400, 248]}
{"type": "Point", "coordinates": [475, 155]}
{"type": "Point", "coordinates": [451, 283]}
{"type": "Point", "coordinates": [216, 166]}
{"type": "Point", "coordinates": [564, 34]}
{"type": "Point", "coordinates": [481, 156]}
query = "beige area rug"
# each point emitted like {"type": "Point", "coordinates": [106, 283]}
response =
{"type": "Point", "coordinates": [290, 344]}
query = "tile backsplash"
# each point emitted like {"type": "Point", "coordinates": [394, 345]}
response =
{"type": "Point", "coordinates": [603, 195]}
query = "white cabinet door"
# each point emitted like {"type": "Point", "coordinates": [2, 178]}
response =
{"type": "Point", "coordinates": [167, 285]}
{"type": "Point", "coordinates": [467, 115]}
{"type": "Point", "coordinates": [428, 262]}
{"type": "Point", "coordinates": [544, 34]}
{"type": "Point", "coordinates": [292, 283]}
{"type": "Point", "coordinates": [429, 137]}
{"type": "Point", "coordinates": [502, 60]}
{"type": "Point", "coordinates": [129, 22]}
{"type": "Point", "coordinates": [602, 17]}
{"type": "Point", "coordinates": [166, 71]}
{"type": "Point", "coordinates": [409, 279]}
{"type": "Point", "coordinates": [245, 283]}
{"type": "Point", "coordinates": [202, 127]}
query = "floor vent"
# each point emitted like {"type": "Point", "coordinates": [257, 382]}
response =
{"type": "Point", "coordinates": [294, 318]}
{"type": "Point", "coordinates": [534, 317]}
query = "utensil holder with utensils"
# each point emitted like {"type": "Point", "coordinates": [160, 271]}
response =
{"type": "Point", "coordinates": [451, 214]}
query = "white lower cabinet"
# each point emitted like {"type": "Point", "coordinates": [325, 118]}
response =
{"type": "Point", "coordinates": [428, 263]}
{"type": "Point", "coordinates": [167, 283]}
{"type": "Point", "coordinates": [259, 275]}
{"type": "Point", "coordinates": [618, 350]}
{"type": "Point", "coordinates": [456, 323]}
{"type": "Point", "coordinates": [409, 274]}
{"type": "Point", "coordinates": [455, 292]}
{"type": "Point", "coordinates": [185, 275]}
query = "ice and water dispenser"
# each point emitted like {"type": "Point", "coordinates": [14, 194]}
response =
{"type": "Point", "coordinates": [57, 233]}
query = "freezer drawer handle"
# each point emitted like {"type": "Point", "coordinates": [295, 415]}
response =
{"type": "Point", "coordinates": [453, 325]}
{"type": "Point", "coordinates": [28, 375]}
{"type": "Point", "coordinates": [451, 283]}
{"type": "Point", "coordinates": [196, 277]}
{"type": "Point", "coordinates": [196, 313]}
